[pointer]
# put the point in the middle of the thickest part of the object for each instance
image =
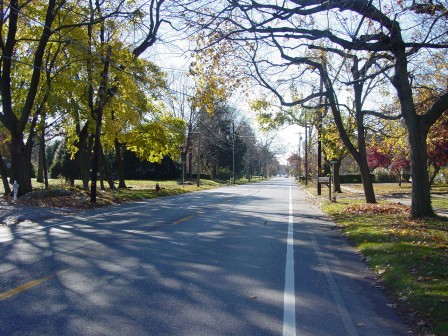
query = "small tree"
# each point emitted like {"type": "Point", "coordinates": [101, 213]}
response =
{"type": "Point", "coordinates": [399, 166]}
{"type": "Point", "coordinates": [377, 159]}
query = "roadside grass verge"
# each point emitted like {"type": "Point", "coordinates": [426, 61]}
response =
{"type": "Point", "coordinates": [136, 190]}
{"type": "Point", "coordinates": [394, 188]}
{"type": "Point", "coordinates": [409, 256]}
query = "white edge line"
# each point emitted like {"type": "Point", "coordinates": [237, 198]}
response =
{"type": "Point", "coordinates": [289, 299]}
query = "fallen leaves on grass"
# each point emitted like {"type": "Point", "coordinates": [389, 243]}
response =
{"type": "Point", "coordinates": [383, 208]}
{"type": "Point", "coordinates": [56, 198]}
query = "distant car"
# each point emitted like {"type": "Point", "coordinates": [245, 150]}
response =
{"type": "Point", "coordinates": [286, 176]}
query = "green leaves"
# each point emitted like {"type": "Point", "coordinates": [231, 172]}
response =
{"type": "Point", "coordinates": [156, 139]}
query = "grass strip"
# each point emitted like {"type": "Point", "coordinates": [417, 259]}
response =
{"type": "Point", "coordinates": [136, 190]}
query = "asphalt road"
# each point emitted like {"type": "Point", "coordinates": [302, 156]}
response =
{"type": "Point", "coordinates": [248, 260]}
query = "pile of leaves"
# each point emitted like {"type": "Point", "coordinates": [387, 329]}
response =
{"type": "Point", "coordinates": [56, 198]}
{"type": "Point", "coordinates": [381, 208]}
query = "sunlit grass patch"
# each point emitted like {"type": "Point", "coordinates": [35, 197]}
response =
{"type": "Point", "coordinates": [139, 190]}
{"type": "Point", "coordinates": [440, 202]}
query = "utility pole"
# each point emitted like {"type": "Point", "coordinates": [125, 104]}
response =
{"type": "Point", "coordinates": [233, 152]}
{"type": "Point", "coordinates": [319, 140]}
{"type": "Point", "coordinates": [198, 176]}
{"type": "Point", "coordinates": [250, 166]}
{"type": "Point", "coordinates": [300, 155]}
{"type": "Point", "coordinates": [319, 156]}
{"type": "Point", "coordinates": [306, 153]}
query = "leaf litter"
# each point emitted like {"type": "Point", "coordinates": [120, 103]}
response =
{"type": "Point", "coordinates": [380, 208]}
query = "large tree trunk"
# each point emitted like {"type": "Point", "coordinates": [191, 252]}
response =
{"type": "Point", "coordinates": [40, 163]}
{"type": "Point", "coordinates": [84, 162]}
{"type": "Point", "coordinates": [42, 171]}
{"type": "Point", "coordinates": [337, 176]}
{"type": "Point", "coordinates": [367, 180]}
{"type": "Point", "coordinates": [83, 154]}
{"type": "Point", "coordinates": [105, 169]}
{"type": "Point", "coordinates": [417, 132]}
{"type": "Point", "coordinates": [95, 159]}
{"type": "Point", "coordinates": [4, 176]}
{"type": "Point", "coordinates": [421, 195]}
{"type": "Point", "coordinates": [102, 187]}
{"type": "Point", "coordinates": [20, 164]}
{"type": "Point", "coordinates": [119, 165]}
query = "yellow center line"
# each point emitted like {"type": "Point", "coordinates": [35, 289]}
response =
{"type": "Point", "coordinates": [183, 219]}
{"type": "Point", "coordinates": [29, 285]}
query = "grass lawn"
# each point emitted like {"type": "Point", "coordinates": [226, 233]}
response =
{"type": "Point", "coordinates": [136, 190]}
{"type": "Point", "coordinates": [394, 188]}
{"type": "Point", "coordinates": [410, 256]}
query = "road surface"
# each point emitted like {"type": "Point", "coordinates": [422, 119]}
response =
{"type": "Point", "coordinates": [240, 260]}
